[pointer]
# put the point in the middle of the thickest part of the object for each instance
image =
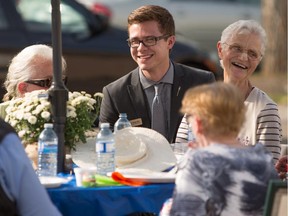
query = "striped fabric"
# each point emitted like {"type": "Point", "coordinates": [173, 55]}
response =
{"type": "Point", "coordinates": [262, 125]}
{"type": "Point", "coordinates": [182, 133]}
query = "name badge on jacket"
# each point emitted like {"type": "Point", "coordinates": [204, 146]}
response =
{"type": "Point", "coordinates": [136, 122]}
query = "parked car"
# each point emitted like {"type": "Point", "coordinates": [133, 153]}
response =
{"type": "Point", "coordinates": [199, 20]}
{"type": "Point", "coordinates": [96, 54]}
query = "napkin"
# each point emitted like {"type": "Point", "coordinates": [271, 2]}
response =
{"type": "Point", "coordinates": [121, 179]}
{"type": "Point", "coordinates": [106, 181]}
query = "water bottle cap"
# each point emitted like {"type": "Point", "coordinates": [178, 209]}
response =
{"type": "Point", "coordinates": [68, 156]}
{"type": "Point", "coordinates": [122, 115]}
{"type": "Point", "coordinates": [48, 125]}
{"type": "Point", "coordinates": [105, 125]}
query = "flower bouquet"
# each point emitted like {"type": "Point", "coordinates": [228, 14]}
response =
{"type": "Point", "coordinates": [28, 115]}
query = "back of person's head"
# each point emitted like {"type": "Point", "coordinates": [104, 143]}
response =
{"type": "Point", "coordinates": [244, 27]}
{"type": "Point", "coordinates": [153, 13]}
{"type": "Point", "coordinates": [25, 64]}
{"type": "Point", "coordinates": [220, 106]}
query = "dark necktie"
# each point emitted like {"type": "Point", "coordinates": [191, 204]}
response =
{"type": "Point", "coordinates": [158, 121]}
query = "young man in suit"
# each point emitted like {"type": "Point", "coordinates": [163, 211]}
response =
{"type": "Point", "coordinates": [151, 31]}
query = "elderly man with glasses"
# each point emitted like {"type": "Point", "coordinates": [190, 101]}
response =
{"type": "Point", "coordinates": [151, 94]}
{"type": "Point", "coordinates": [31, 69]}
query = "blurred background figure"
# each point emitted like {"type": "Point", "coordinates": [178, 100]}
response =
{"type": "Point", "coordinates": [221, 176]}
{"type": "Point", "coordinates": [31, 69]}
{"type": "Point", "coordinates": [21, 192]}
{"type": "Point", "coordinates": [240, 50]}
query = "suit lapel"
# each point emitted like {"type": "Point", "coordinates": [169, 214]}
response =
{"type": "Point", "coordinates": [176, 99]}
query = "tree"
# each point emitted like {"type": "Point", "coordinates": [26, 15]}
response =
{"type": "Point", "coordinates": [274, 21]}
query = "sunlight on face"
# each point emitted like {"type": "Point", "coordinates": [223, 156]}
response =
{"type": "Point", "coordinates": [150, 58]}
{"type": "Point", "coordinates": [241, 56]}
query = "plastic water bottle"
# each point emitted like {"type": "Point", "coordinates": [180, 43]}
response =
{"type": "Point", "coordinates": [47, 151]}
{"type": "Point", "coordinates": [191, 136]}
{"type": "Point", "coordinates": [122, 122]}
{"type": "Point", "coordinates": [105, 150]}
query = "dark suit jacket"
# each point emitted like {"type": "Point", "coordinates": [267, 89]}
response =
{"type": "Point", "coordinates": [127, 95]}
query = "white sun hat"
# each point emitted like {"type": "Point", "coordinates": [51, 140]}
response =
{"type": "Point", "coordinates": [135, 147]}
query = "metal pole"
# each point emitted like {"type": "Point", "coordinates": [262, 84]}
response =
{"type": "Point", "coordinates": [58, 93]}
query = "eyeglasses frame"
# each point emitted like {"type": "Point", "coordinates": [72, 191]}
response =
{"type": "Point", "coordinates": [44, 83]}
{"type": "Point", "coordinates": [244, 50]}
{"type": "Point", "coordinates": [150, 37]}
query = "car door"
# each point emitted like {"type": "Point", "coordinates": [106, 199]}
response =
{"type": "Point", "coordinates": [12, 36]}
{"type": "Point", "coordinates": [84, 46]}
{"type": "Point", "coordinates": [204, 20]}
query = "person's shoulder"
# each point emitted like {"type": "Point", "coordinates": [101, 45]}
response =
{"type": "Point", "coordinates": [5, 129]}
{"type": "Point", "coordinates": [188, 69]}
{"type": "Point", "coordinates": [261, 98]}
{"type": "Point", "coordinates": [191, 76]}
{"type": "Point", "coordinates": [3, 107]}
{"type": "Point", "coordinates": [123, 81]}
{"type": "Point", "coordinates": [196, 75]}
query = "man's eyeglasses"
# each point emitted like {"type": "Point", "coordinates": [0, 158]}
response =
{"type": "Point", "coordinates": [44, 83]}
{"type": "Point", "coordinates": [148, 41]}
{"type": "Point", "coordinates": [238, 50]}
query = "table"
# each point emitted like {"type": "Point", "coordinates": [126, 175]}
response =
{"type": "Point", "coordinates": [109, 200]}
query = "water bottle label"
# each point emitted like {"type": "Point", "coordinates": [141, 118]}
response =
{"type": "Point", "coordinates": [105, 147]}
{"type": "Point", "coordinates": [44, 146]}
{"type": "Point", "coordinates": [49, 143]}
{"type": "Point", "coordinates": [191, 136]}
{"type": "Point", "coordinates": [50, 149]}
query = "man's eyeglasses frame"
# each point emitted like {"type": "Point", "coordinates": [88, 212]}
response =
{"type": "Point", "coordinates": [147, 42]}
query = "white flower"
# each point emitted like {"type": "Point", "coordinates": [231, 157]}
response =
{"type": "Point", "coordinates": [32, 119]}
{"type": "Point", "coordinates": [28, 108]}
{"type": "Point", "coordinates": [28, 115]}
{"type": "Point", "coordinates": [21, 133]}
{"type": "Point", "coordinates": [13, 123]}
{"type": "Point", "coordinates": [40, 107]}
{"type": "Point", "coordinates": [98, 94]}
{"type": "Point", "coordinates": [45, 115]}
{"type": "Point", "coordinates": [19, 114]}
{"type": "Point", "coordinates": [71, 114]}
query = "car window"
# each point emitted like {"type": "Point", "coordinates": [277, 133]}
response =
{"type": "Point", "coordinates": [3, 21]}
{"type": "Point", "coordinates": [37, 16]}
{"type": "Point", "coordinates": [223, 1]}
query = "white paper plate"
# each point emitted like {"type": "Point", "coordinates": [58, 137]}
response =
{"type": "Point", "coordinates": [52, 182]}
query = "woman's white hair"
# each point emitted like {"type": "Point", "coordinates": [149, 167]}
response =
{"type": "Point", "coordinates": [251, 26]}
{"type": "Point", "coordinates": [21, 67]}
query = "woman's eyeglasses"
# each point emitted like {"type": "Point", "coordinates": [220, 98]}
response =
{"type": "Point", "coordinates": [238, 50]}
{"type": "Point", "coordinates": [44, 83]}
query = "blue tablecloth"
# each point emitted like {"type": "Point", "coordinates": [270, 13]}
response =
{"type": "Point", "coordinates": [109, 200]}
